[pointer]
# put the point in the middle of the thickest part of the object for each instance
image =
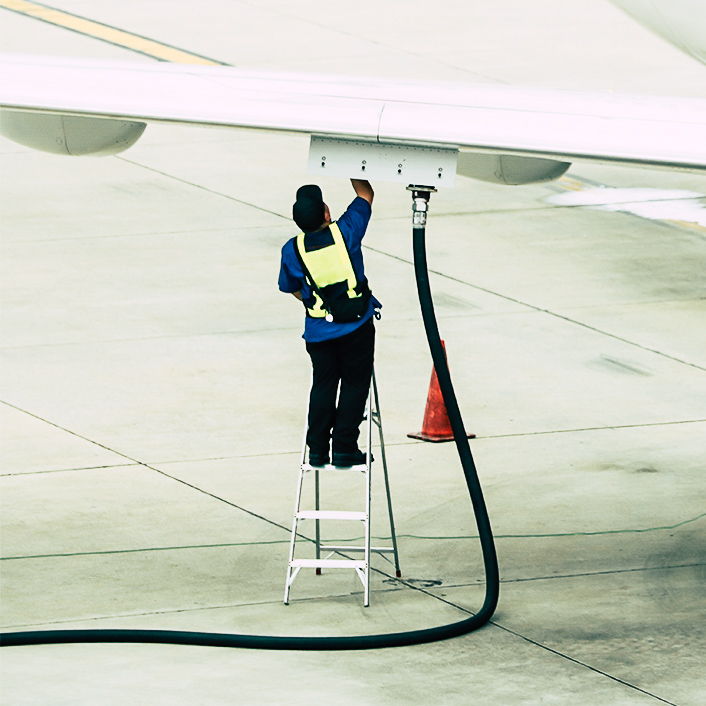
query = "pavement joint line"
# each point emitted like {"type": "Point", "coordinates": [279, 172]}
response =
{"type": "Point", "coordinates": [542, 646]}
{"type": "Point", "coordinates": [556, 534]}
{"type": "Point", "coordinates": [392, 579]}
{"type": "Point", "coordinates": [603, 673]}
{"type": "Point", "coordinates": [586, 429]}
{"type": "Point", "coordinates": [280, 329]}
{"type": "Point", "coordinates": [544, 311]}
{"type": "Point", "coordinates": [203, 188]}
{"type": "Point", "coordinates": [96, 341]}
{"type": "Point", "coordinates": [224, 545]}
{"type": "Point", "coordinates": [479, 437]}
{"type": "Point", "coordinates": [153, 234]}
{"type": "Point", "coordinates": [144, 550]}
{"type": "Point", "coordinates": [73, 433]}
{"type": "Point", "coordinates": [223, 500]}
{"type": "Point", "coordinates": [400, 443]}
{"type": "Point", "coordinates": [583, 575]}
{"type": "Point", "coordinates": [152, 468]}
{"type": "Point", "coordinates": [195, 609]}
{"type": "Point", "coordinates": [638, 303]}
{"type": "Point", "coordinates": [591, 574]}
{"type": "Point", "coordinates": [68, 470]}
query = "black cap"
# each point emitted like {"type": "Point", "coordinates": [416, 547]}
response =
{"type": "Point", "coordinates": [308, 210]}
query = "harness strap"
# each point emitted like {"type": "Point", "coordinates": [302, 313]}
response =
{"type": "Point", "coordinates": [332, 265]}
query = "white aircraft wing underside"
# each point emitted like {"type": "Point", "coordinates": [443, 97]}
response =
{"type": "Point", "coordinates": [564, 125]}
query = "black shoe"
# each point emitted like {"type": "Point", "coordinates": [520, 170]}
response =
{"type": "Point", "coordinates": [317, 459]}
{"type": "Point", "coordinates": [347, 460]}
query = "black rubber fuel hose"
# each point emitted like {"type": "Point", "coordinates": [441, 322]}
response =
{"type": "Point", "coordinates": [357, 642]}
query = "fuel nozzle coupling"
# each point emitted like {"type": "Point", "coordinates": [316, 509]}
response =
{"type": "Point", "coordinates": [420, 208]}
{"type": "Point", "coordinates": [420, 204]}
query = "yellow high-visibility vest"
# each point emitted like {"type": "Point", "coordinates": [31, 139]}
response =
{"type": "Point", "coordinates": [329, 265]}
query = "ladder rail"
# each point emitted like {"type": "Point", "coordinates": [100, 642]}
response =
{"type": "Point", "coordinates": [317, 506]}
{"type": "Point", "coordinates": [368, 491]}
{"type": "Point", "coordinates": [293, 540]}
{"type": "Point", "coordinates": [292, 574]}
{"type": "Point", "coordinates": [388, 493]}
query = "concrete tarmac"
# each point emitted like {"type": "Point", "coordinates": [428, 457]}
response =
{"type": "Point", "coordinates": [155, 381]}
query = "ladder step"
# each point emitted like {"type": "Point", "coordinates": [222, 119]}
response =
{"type": "Point", "coordinates": [331, 563]}
{"type": "Point", "coordinates": [343, 547]}
{"type": "Point", "coordinates": [360, 468]}
{"type": "Point", "coordinates": [330, 515]}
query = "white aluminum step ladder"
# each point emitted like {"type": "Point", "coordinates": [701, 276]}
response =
{"type": "Point", "coordinates": [362, 566]}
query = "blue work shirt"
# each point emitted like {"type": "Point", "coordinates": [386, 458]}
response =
{"type": "Point", "coordinates": [352, 224]}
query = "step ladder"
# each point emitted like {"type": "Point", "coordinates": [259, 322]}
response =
{"type": "Point", "coordinates": [341, 552]}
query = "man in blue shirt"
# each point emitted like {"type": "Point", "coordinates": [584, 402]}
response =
{"type": "Point", "coordinates": [341, 352]}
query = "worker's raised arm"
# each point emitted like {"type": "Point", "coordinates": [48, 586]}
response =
{"type": "Point", "coordinates": [363, 189]}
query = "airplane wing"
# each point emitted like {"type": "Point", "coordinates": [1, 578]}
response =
{"type": "Point", "coordinates": [41, 96]}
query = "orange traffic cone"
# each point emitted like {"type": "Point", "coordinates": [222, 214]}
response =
{"type": "Point", "coordinates": [436, 425]}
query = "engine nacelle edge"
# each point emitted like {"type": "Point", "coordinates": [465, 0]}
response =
{"type": "Point", "coordinates": [70, 134]}
{"type": "Point", "coordinates": [509, 169]}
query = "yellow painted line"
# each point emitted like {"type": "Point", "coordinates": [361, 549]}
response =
{"type": "Point", "coordinates": [571, 183]}
{"type": "Point", "coordinates": [691, 225]}
{"type": "Point", "coordinates": [97, 30]}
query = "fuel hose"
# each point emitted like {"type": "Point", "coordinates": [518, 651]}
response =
{"type": "Point", "coordinates": [355, 642]}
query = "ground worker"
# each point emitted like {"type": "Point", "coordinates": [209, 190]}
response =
{"type": "Point", "coordinates": [323, 268]}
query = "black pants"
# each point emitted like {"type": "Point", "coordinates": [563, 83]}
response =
{"type": "Point", "coordinates": [347, 360]}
